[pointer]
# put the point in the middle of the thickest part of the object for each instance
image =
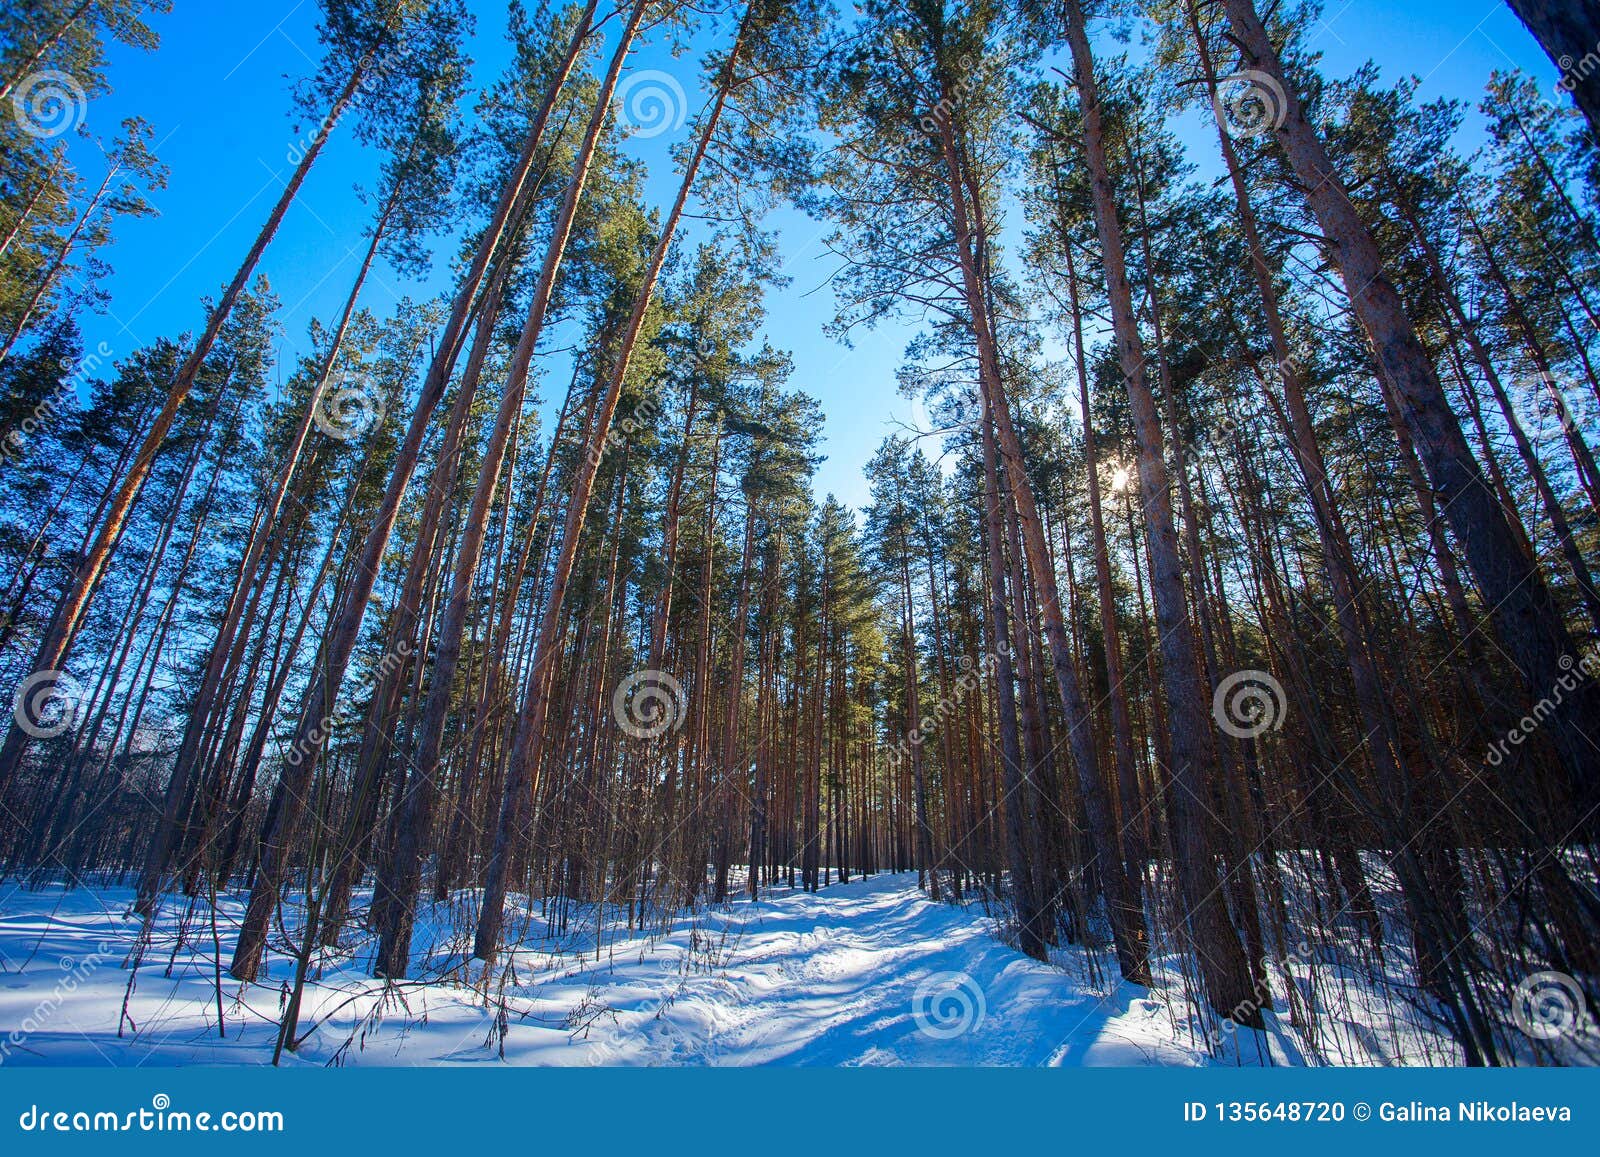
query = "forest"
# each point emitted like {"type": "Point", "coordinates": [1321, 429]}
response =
{"type": "Point", "coordinates": [1211, 664]}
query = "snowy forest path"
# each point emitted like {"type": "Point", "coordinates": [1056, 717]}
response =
{"type": "Point", "coordinates": [873, 973]}
{"type": "Point", "coordinates": [866, 973]}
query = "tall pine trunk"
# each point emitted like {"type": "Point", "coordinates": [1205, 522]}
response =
{"type": "Point", "coordinates": [57, 643]}
{"type": "Point", "coordinates": [1224, 967]}
{"type": "Point", "coordinates": [1525, 616]}
{"type": "Point", "coordinates": [317, 705]}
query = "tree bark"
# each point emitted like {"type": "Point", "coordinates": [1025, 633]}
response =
{"type": "Point", "coordinates": [1569, 33]}
{"type": "Point", "coordinates": [343, 632]}
{"type": "Point", "coordinates": [402, 876]}
{"type": "Point", "coordinates": [1525, 616]}
{"type": "Point", "coordinates": [528, 743]}
{"type": "Point", "coordinates": [1224, 967]}
{"type": "Point", "coordinates": [57, 643]}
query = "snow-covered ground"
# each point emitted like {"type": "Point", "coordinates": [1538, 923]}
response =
{"type": "Point", "coordinates": [867, 973]}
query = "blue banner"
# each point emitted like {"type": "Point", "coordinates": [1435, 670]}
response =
{"type": "Point", "coordinates": [774, 1112]}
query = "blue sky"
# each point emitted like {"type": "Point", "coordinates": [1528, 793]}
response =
{"type": "Point", "coordinates": [216, 94]}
